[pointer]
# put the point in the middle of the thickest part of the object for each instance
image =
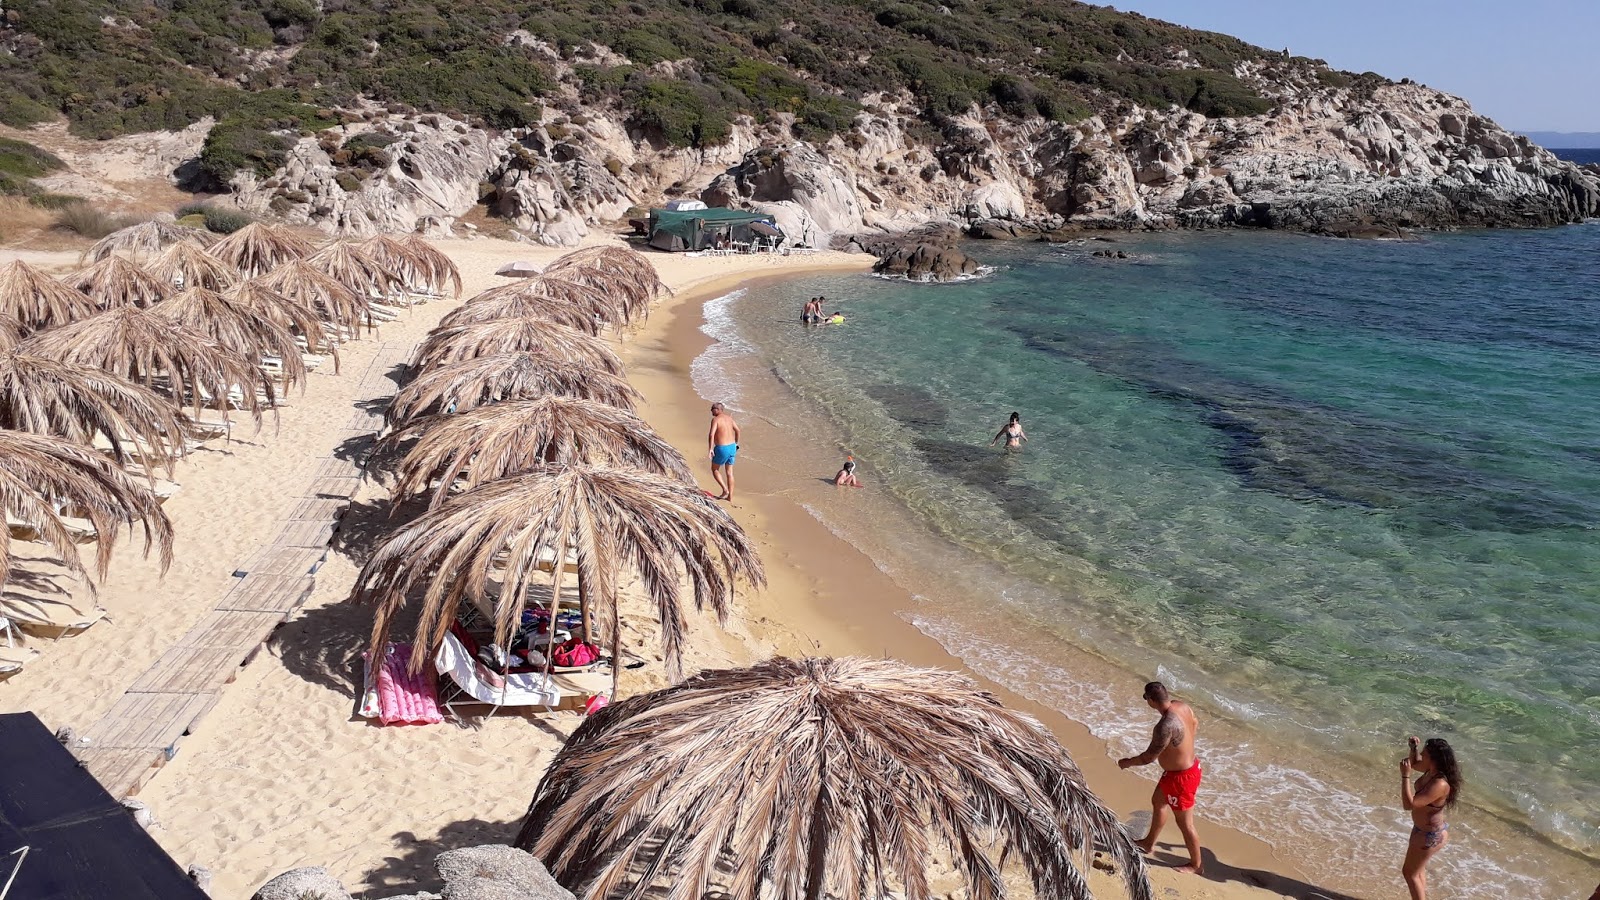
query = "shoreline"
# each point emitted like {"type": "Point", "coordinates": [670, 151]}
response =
{"type": "Point", "coordinates": [850, 607]}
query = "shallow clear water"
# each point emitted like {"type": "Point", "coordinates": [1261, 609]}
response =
{"type": "Point", "coordinates": [1342, 492]}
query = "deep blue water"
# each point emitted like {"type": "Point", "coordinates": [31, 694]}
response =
{"type": "Point", "coordinates": [1582, 157]}
{"type": "Point", "coordinates": [1349, 488]}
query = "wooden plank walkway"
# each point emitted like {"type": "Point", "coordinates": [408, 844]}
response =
{"type": "Point", "coordinates": [130, 744]}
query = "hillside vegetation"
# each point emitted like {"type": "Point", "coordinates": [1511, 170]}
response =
{"type": "Point", "coordinates": [265, 66]}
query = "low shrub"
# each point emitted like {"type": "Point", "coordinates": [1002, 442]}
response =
{"type": "Point", "coordinates": [348, 181]}
{"type": "Point", "coordinates": [23, 160]}
{"type": "Point", "coordinates": [218, 219]}
{"type": "Point", "coordinates": [234, 146]}
{"type": "Point", "coordinates": [45, 200]}
{"type": "Point", "coordinates": [85, 219]}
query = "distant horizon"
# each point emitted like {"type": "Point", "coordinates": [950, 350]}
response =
{"type": "Point", "coordinates": [1515, 69]}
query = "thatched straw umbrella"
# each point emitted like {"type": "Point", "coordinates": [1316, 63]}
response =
{"type": "Point", "coordinates": [609, 518]}
{"type": "Point", "coordinates": [493, 442]}
{"type": "Point", "coordinates": [245, 331]}
{"type": "Point", "coordinates": [346, 310]}
{"type": "Point", "coordinates": [519, 305]}
{"type": "Point", "coordinates": [258, 248]}
{"type": "Point", "coordinates": [152, 351]}
{"type": "Point", "coordinates": [345, 263]}
{"type": "Point", "coordinates": [36, 301]}
{"type": "Point", "coordinates": [803, 779]}
{"type": "Point", "coordinates": [187, 265]}
{"type": "Point", "coordinates": [146, 239]}
{"type": "Point", "coordinates": [438, 271]}
{"type": "Point", "coordinates": [45, 396]}
{"type": "Point", "coordinates": [39, 474]}
{"type": "Point", "coordinates": [10, 332]}
{"type": "Point", "coordinates": [449, 345]}
{"type": "Point", "coordinates": [114, 281]}
{"type": "Point", "coordinates": [625, 275]}
{"type": "Point", "coordinates": [254, 295]}
{"type": "Point", "coordinates": [499, 377]}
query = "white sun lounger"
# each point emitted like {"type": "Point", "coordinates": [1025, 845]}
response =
{"type": "Point", "coordinates": [472, 679]}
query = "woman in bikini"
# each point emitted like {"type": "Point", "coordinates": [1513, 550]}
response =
{"type": "Point", "coordinates": [1013, 433]}
{"type": "Point", "coordinates": [1433, 793]}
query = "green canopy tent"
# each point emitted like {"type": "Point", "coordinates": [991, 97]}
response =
{"type": "Point", "coordinates": [697, 229]}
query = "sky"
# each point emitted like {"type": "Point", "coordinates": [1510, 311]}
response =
{"type": "Point", "coordinates": [1531, 65]}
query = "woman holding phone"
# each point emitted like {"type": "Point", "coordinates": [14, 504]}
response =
{"type": "Point", "coordinates": [1435, 791]}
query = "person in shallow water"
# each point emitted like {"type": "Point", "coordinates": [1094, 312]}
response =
{"type": "Point", "coordinates": [1013, 433]}
{"type": "Point", "coordinates": [1433, 793]}
{"type": "Point", "coordinates": [1171, 744]}
{"type": "Point", "coordinates": [722, 445]}
{"type": "Point", "coordinates": [847, 474]}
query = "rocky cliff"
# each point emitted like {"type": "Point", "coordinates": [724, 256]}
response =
{"type": "Point", "coordinates": [1353, 159]}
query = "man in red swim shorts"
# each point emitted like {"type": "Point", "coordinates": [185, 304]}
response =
{"type": "Point", "coordinates": [1172, 745]}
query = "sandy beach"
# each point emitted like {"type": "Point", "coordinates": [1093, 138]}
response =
{"type": "Point", "coordinates": [282, 773]}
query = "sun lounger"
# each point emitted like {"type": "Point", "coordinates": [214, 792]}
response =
{"type": "Point", "coordinates": [81, 530]}
{"type": "Point", "coordinates": [476, 683]}
{"type": "Point", "coordinates": [48, 616]}
{"type": "Point", "coordinates": [394, 696]}
{"type": "Point", "coordinates": [12, 659]}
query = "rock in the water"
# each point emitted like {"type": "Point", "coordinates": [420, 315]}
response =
{"type": "Point", "coordinates": [310, 883]}
{"type": "Point", "coordinates": [926, 262]}
{"type": "Point", "coordinates": [497, 872]}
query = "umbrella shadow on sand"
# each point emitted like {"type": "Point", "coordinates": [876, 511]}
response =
{"type": "Point", "coordinates": [411, 867]}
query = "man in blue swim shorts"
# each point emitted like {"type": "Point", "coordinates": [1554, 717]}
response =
{"type": "Point", "coordinates": [722, 443]}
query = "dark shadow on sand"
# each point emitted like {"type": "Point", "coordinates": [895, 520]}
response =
{"type": "Point", "coordinates": [1216, 870]}
{"type": "Point", "coordinates": [411, 869]}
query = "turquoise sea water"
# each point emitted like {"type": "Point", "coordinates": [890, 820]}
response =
{"type": "Point", "coordinates": [1340, 492]}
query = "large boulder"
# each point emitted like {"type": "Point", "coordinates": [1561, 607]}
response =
{"type": "Point", "coordinates": [797, 173]}
{"type": "Point", "coordinates": [795, 223]}
{"type": "Point", "coordinates": [496, 872]}
{"type": "Point", "coordinates": [310, 883]}
{"type": "Point", "coordinates": [926, 262]}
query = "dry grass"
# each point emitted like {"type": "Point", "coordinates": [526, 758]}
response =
{"type": "Point", "coordinates": [88, 220]}
{"type": "Point", "coordinates": [20, 220]}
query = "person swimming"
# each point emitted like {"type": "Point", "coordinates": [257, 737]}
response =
{"type": "Point", "coordinates": [847, 474]}
{"type": "Point", "coordinates": [836, 319]}
{"type": "Point", "coordinates": [1013, 433]}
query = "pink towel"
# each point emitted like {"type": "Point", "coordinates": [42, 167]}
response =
{"type": "Point", "coordinates": [403, 698]}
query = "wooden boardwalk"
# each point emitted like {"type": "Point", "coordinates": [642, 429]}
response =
{"type": "Point", "coordinates": [142, 730]}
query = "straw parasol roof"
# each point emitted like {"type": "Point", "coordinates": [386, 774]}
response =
{"type": "Point", "coordinates": [10, 332]}
{"type": "Point", "coordinates": [146, 239]}
{"type": "Point", "coordinates": [314, 290]}
{"type": "Point", "coordinates": [811, 778]}
{"type": "Point", "coordinates": [298, 319]}
{"type": "Point", "coordinates": [498, 377]}
{"type": "Point", "coordinates": [438, 271]}
{"type": "Point", "coordinates": [625, 275]}
{"type": "Point", "coordinates": [665, 530]}
{"type": "Point", "coordinates": [492, 442]}
{"type": "Point", "coordinates": [519, 305]}
{"type": "Point", "coordinates": [37, 472]}
{"type": "Point", "coordinates": [447, 345]}
{"type": "Point", "coordinates": [345, 263]}
{"type": "Point", "coordinates": [114, 281]}
{"type": "Point", "coordinates": [152, 351]}
{"type": "Point", "coordinates": [187, 265]}
{"type": "Point", "coordinates": [258, 248]}
{"type": "Point", "coordinates": [36, 301]}
{"type": "Point", "coordinates": [247, 332]}
{"type": "Point", "coordinates": [46, 396]}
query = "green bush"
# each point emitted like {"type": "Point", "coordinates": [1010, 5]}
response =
{"type": "Point", "coordinates": [215, 218]}
{"type": "Point", "coordinates": [235, 145]}
{"type": "Point", "coordinates": [682, 113]}
{"type": "Point", "coordinates": [348, 181]}
{"type": "Point", "coordinates": [53, 201]}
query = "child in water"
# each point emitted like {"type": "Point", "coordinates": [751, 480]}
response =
{"type": "Point", "coordinates": [836, 319]}
{"type": "Point", "coordinates": [847, 475]}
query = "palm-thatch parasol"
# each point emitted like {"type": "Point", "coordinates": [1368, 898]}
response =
{"type": "Point", "coordinates": [36, 301]}
{"type": "Point", "coordinates": [152, 351]}
{"type": "Point", "coordinates": [344, 309]}
{"type": "Point", "coordinates": [437, 270]}
{"type": "Point", "coordinates": [662, 528]}
{"type": "Point", "coordinates": [491, 306]}
{"type": "Point", "coordinates": [45, 396]}
{"type": "Point", "coordinates": [10, 332]}
{"type": "Point", "coordinates": [114, 281]}
{"type": "Point", "coordinates": [146, 239]}
{"type": "Point", "coordinates": [448, 345]}
{"type": "Point", "coordinates": [492, 442]}
{"type": "Point", "coordinates": [38, 473]}
{"type": "Point", "coordinates": [185, 265]}
{"type": "Point", "coordinates": [298, 319]}
{"type": "Point", "coordinates": [258, 248]}
{"type": "Point", "coordinates": [623, 274]}
{"type": "Point", "coordinates": [804, 779]}
{"type": "Point", "coordinates": [499, 377]}
{"type": "Point", "coordinates": [244, 331]}
{"type": "Point", "coordinates": [345, 263]}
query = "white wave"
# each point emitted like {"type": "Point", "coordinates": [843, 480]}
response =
{"type": "Point", "coordinates": [710, 373]}
{"type": "Point", "coordinates": [983, 272]}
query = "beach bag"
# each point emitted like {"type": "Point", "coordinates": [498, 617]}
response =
{"type": "Point", "coordinates": [574, 653]}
